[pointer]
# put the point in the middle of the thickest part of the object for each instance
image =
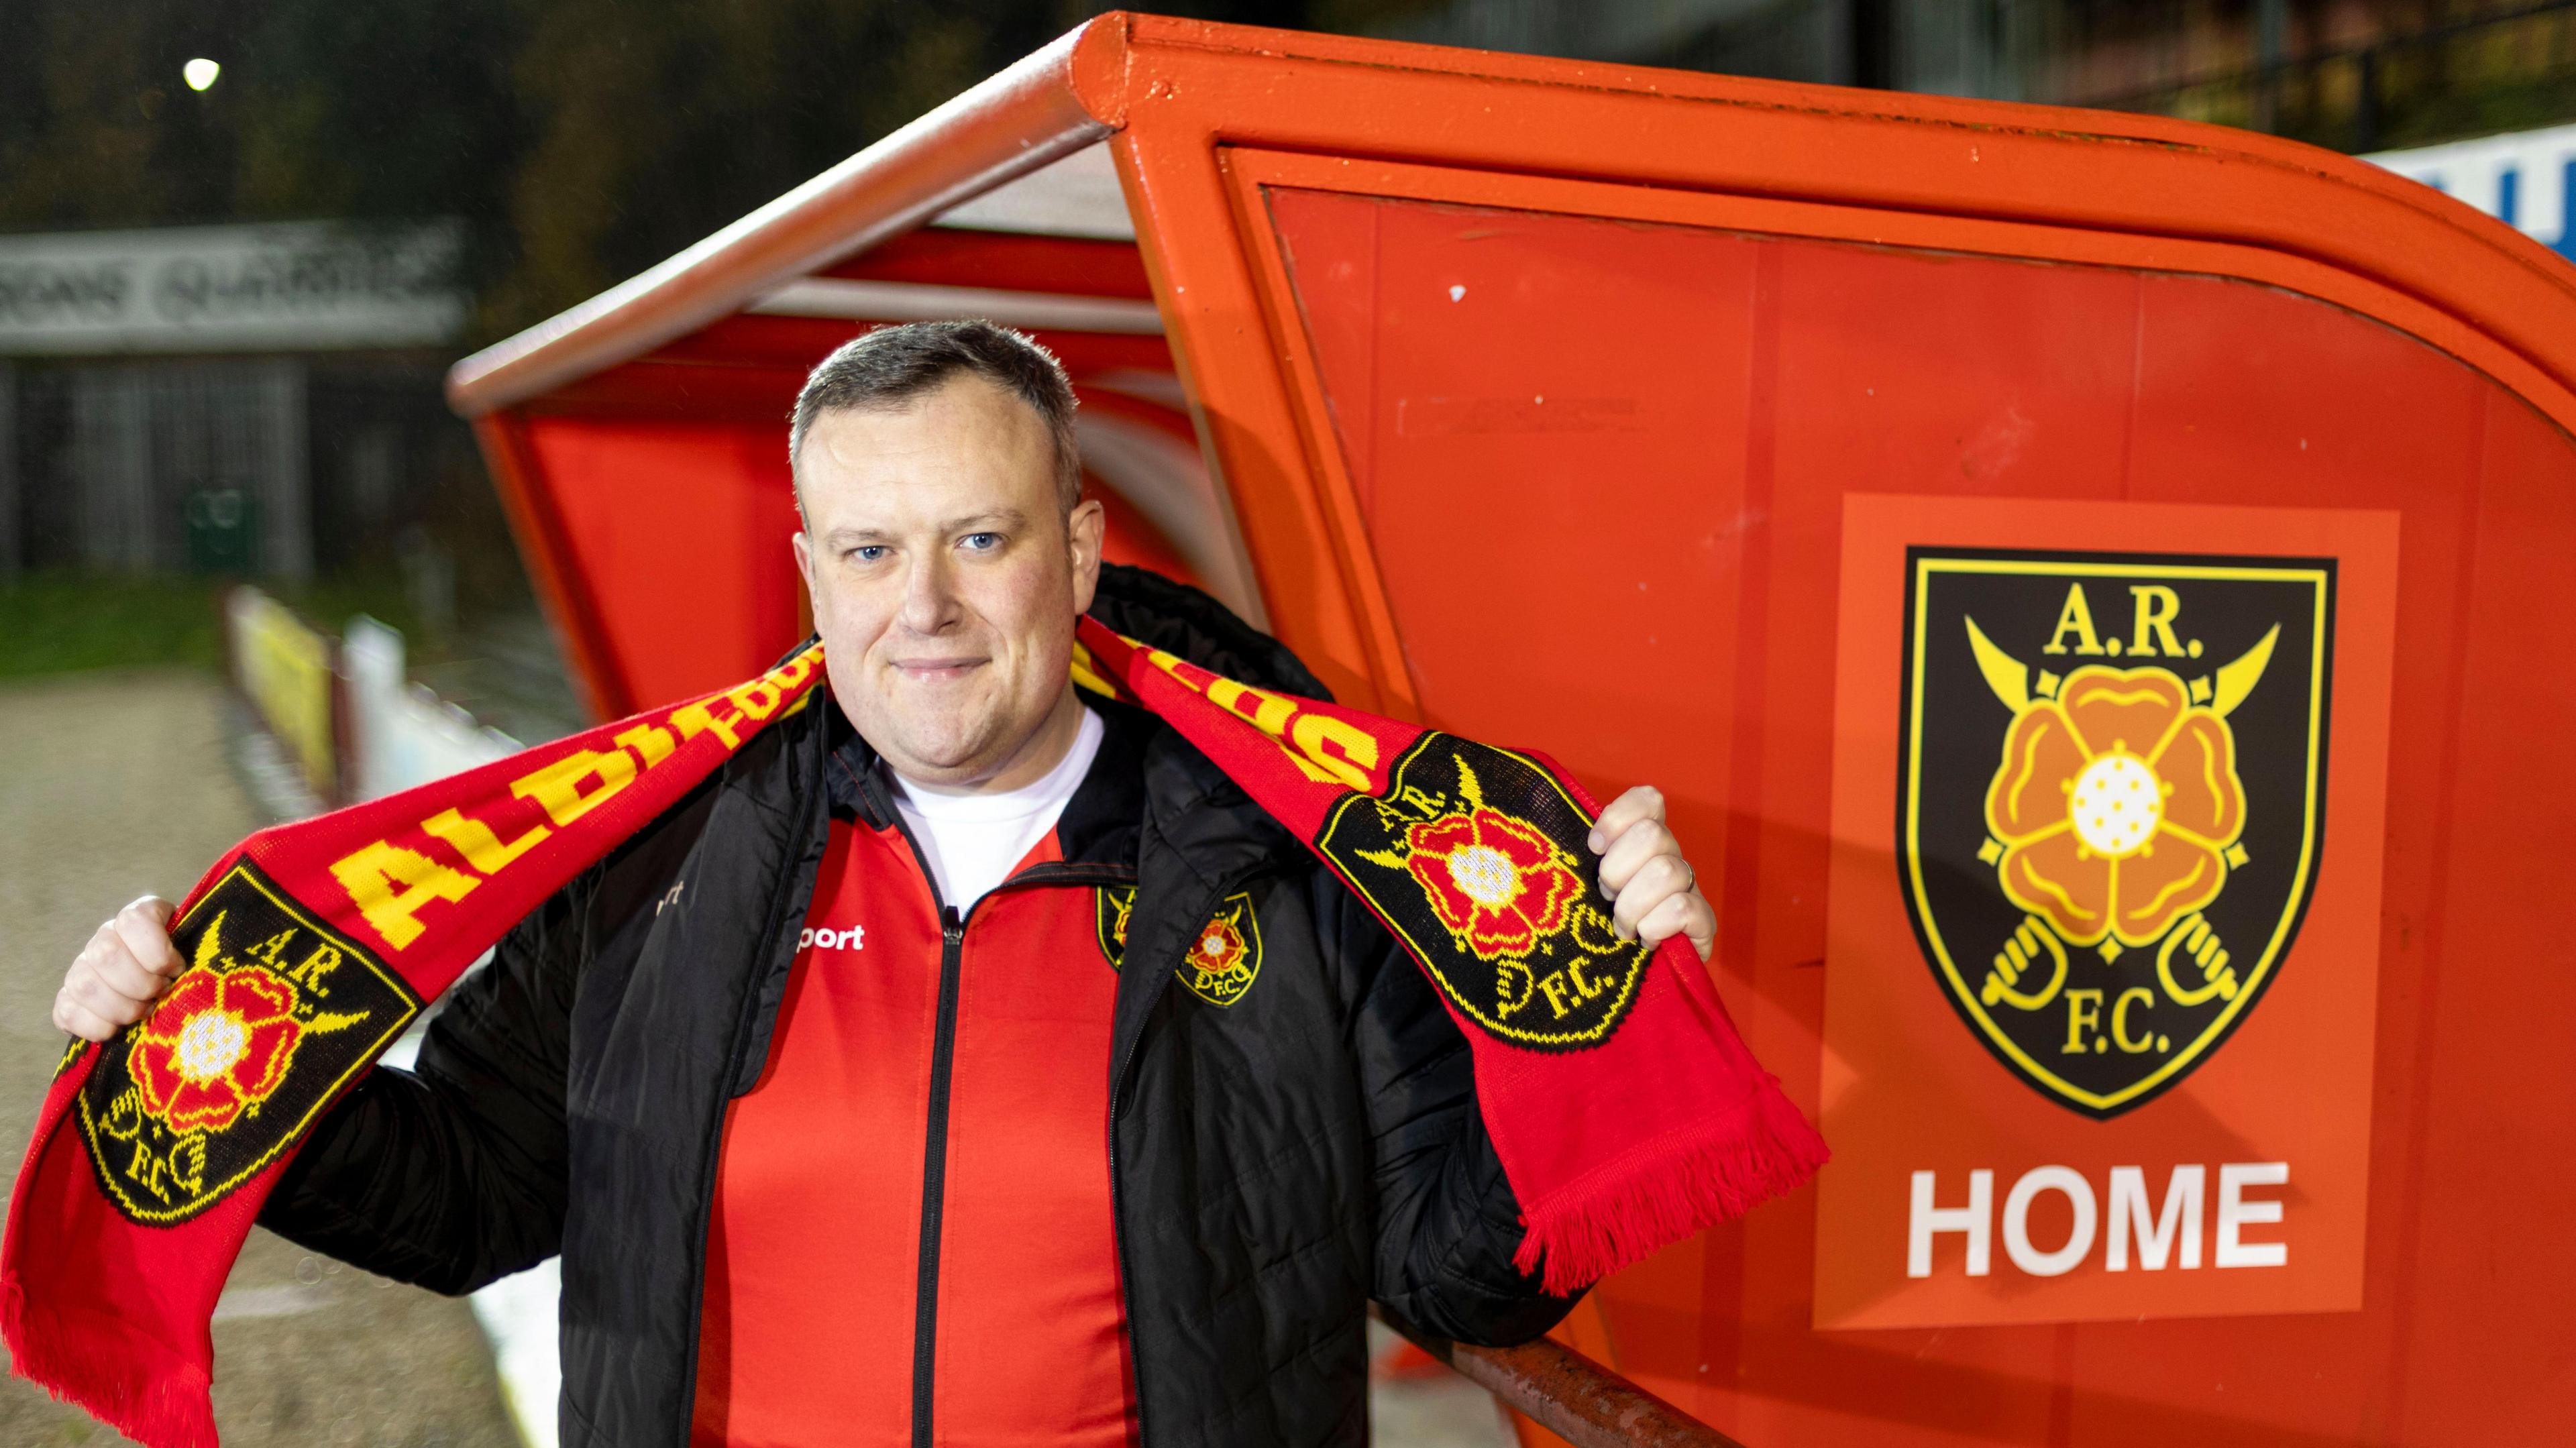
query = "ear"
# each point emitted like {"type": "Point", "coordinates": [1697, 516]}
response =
{"type": "Point", "coordinates": [803, 548]}
{"type": "Point", "coordinates": [1082, 534]}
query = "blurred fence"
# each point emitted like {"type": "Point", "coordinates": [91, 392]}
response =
{"type": "Point", "coordinates": [344, 712]}
{"type": "Point", "coordinates": [400, 733]}
{"type": "Point", "coordinates": [344, 708]}
{"type": "Point", "coordinates": [284, 667]}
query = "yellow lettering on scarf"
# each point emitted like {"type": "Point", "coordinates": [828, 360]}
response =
{"type": "Point", "coordinates": [1554, 989]}
{"type": "Point", "coordinates": [1324, 749]}
{"type": "Point", "coordinates": [390, 884]}
{"type": "Point", "coordinates": [1270, 714]}
{"type": "Point", "coordinates": [696, 719]}
{"type": "Point", "coordinates": [1172, 665]}
{"type": "Point", "coordinates": [652, 741]}
{"type": "Point", "coordinates": [1269, 711]}
{"type": "Point", "coordinates": [751, 703]}
{"type": "Point", "coordinates": [317, 965]}
{"type": "Point", "coordinates": [149, 1171]}
{"type": "Point", "coordinates": [475, 841]}
{"type": "Point", "coordinates": [1308, 740]}
{"type": "Point", "coordinates": [1570, 987]}
{"type": "Point", "coordinates": [559, 786]}
{"type": "Point", "coordinates": [1358, 748]}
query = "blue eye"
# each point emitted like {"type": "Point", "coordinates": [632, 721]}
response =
{"type": "Point", "coordinates": [868, 552]}
{"type": "Point", "coordinates": [982, 542]}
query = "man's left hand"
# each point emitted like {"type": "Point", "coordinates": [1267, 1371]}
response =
{"type": "Point", "coordinates": [1654, 891]}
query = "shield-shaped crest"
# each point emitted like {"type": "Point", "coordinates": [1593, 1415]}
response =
{"type": "Point", "coordinates": [1224, 958]}
{"type": "Point", "coordinates": [2112, 794]}
{"type": "Point", "coordinates": [1112, 906]}
{"type": "Point", "coordinates": [275, 1014]}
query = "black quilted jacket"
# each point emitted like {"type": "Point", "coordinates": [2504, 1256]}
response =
{"type": "Point", "coordinates": [1273, 1168]}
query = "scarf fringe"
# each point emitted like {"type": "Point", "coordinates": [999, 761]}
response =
{"type": "Point", "coordinates": [1679, 1186]}
{"type": "Point", "coordinates": [97, 1363]}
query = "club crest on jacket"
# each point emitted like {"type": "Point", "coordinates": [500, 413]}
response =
{"type": "Point", "coordinates": [1113, 904]}
{"type": "Point", "coordinates": [2111, 798]}
{"type": "Point", "coordinates": [273, 1016]}
{"type": "Point", "coordinates": [1223, 956]}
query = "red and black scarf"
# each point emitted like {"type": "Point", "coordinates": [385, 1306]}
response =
{"type": "Point", "coordinates": [1626, 1111]}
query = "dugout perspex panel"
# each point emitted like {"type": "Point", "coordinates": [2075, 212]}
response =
{"type": "Point", "coordinates": [2081, 580]}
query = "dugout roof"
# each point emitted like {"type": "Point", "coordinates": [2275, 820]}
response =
{"type": "Point", "coordinates": [1562, 403]}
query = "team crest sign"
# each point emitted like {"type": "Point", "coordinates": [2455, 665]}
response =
{"type": "Point", "coordinates": [2111, 800]}
{"type": "Point", "coordinates": [2103, 925]}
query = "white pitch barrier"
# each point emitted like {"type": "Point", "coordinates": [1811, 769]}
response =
{"type": "Point", "coordinates": [2521, 178]}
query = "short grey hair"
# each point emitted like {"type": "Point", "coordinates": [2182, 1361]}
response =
{"type": "Point", "coordinates": [890, 366]}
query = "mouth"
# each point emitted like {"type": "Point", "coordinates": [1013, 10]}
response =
{"type": "Point", "coordinates": [937, 670]}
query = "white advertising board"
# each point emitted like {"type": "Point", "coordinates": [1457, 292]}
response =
{"type": "Point", "coordinates": [293, 286]}
{"type": "Point", "coordinates": [2520, 178]}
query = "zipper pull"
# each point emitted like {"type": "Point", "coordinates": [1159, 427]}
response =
{"type": "Point", "coordinates": [952, 928]}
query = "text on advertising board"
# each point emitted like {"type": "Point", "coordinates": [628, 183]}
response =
{"type": "Point", "coordinates": [217, 288]}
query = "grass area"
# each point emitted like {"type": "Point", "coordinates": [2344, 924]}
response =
{"type": "Point", "coordinates": [58, 623]}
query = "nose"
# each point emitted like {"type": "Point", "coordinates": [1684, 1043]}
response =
{"type": "Point", "coordinates": [929, 595]}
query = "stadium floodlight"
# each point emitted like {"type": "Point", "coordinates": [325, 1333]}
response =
{"type": "Point", "coordinates": [200, 73]}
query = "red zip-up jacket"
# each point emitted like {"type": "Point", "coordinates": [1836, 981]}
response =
{"type": "Point", "coordinates": [912, 1206]}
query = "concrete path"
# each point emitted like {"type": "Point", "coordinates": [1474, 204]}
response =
{"type": "Point", "coordinates": [113, 786]}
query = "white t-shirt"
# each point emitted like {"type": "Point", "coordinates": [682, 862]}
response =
{"type": "Point", "coordinates": [971, 841]}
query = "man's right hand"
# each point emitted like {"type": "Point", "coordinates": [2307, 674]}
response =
{"type": "Point", "coordinates": [120, 973]}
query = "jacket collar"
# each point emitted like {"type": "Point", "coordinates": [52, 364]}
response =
{"type": "Point", "coordinates": [1101, 822]}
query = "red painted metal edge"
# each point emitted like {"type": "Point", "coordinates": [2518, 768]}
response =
{"type": "Point", "coordinates": [1199, 86]}
{"type": "Point", "coordinates": [569, 608]}
{"type": "Point", "coordinates": [1081, 87]}
{"type": "Point", "coordinates": [1019, 120]}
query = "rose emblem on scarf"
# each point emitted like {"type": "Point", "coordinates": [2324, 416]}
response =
{"type": "Point", "coordinates": [1470, 855]}
{"type": "Point", "coordinates": [2115, 804]}
{"type": "Point", "coordinates": [238, 1058]}
{"type": "Point", "coordinates": [1496, 883]}
{"type": "Point", "coordinates": [216, 1046]}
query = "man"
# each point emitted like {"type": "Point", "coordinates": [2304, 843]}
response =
{"type": "Point", "coordinates": [963, 1062]}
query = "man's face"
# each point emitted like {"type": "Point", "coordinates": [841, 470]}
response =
{"type": "Point", "coordinates": [945, 576]}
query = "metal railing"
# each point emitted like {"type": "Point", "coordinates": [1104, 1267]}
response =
{"type": "Point", "coordinates": [1568, 1394]}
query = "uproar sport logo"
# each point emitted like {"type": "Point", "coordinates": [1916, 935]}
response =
{"type": "Point", "coordinates": [2111, 797]}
